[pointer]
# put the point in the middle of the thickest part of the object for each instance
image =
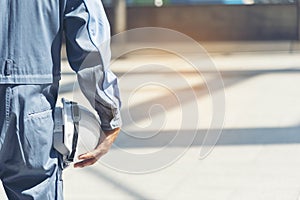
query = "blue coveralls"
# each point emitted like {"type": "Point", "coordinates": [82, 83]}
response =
{"type": "Point", "coordinates": [30, 41]}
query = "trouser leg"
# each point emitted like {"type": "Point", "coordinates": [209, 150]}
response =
{"type": "Point", "coordinates": [29, 166]}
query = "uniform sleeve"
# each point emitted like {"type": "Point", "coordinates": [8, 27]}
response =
{"type": "Point", "coordinates": [87, 33]}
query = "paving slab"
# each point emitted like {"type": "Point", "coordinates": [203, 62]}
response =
{"type": "Point", "coordinates": [157, 155]}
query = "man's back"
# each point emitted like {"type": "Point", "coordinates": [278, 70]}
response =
{"type": "Point", "coordinates": [30, 39]}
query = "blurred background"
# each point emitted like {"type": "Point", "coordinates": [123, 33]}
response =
{"type": "Point", "coordinates": [252, 47]}
{"type": "Point", "coordinates": [210, 19]}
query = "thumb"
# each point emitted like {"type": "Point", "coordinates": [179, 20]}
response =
{"type": "Point", "coordinates": [85, 156]}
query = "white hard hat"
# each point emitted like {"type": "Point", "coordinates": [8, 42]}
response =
{"type": "Point", "coordinates": [76, 131]}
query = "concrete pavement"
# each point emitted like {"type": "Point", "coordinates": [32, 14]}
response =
{"type": "Point", "coordinates": [256, 155]}
{"type": "Point", "coordinates": [167, 110]}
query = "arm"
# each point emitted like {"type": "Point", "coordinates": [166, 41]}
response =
{"type": "Point", "coordinates": [88, 48]}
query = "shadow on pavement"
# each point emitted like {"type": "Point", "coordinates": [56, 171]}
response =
{"type": "Point", "coordinates": [243, 136]}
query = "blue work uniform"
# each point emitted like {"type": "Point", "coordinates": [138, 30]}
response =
{"type": "Point", "coordinates": [30, 41]}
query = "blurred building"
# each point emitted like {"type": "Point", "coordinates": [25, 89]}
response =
{"type": "Point", "coordinates": [195, 2]}
{"type": "Point", "coordinates": [214, 19]}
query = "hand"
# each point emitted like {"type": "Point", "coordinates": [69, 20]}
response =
{"type": "Point", "coordinates": [104, 144]}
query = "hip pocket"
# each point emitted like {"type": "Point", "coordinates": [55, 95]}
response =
{"type": "Point", "coordinates": [38, 134]}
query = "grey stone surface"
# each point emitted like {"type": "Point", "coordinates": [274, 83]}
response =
{"type": "Point", "coordinates": [256, 156]}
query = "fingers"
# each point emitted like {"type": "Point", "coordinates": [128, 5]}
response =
{"type": "Point", "coordinates": [85, 156]}
{"type": "Point", "coordinates": [85, 163]}
{"type": "Point", "coordinates": [88, 159]}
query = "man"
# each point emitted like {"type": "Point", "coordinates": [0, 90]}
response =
{"type": "Point", "coordinates": [30, 41]}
